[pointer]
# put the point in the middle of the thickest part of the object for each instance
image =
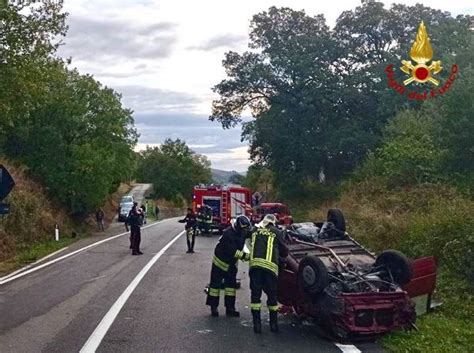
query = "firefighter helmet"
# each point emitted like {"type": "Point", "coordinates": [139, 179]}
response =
{"type": "Point", "coordinates": [242, 224]}
{"type": "Point", "coordinates": [268, 219]}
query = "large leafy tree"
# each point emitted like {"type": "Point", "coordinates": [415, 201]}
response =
{"type": "Point", "coordinates": [319, 96]}
{"type": "Point", "coordinates": [71, 132]}
{"type": "Point", "coordinates": [174, 169]}
{"type": "Point", "coordinates": [30, 33]}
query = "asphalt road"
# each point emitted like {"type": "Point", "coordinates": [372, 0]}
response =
{"type": "Point", "coordinates": [59, 307]}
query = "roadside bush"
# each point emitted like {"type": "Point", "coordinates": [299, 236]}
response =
{"type": "Point", "coordinates": [409, 154]}
{"type": "Point", "coordinates": [446, 231]}
{"type": "Point", "coordinates": [32, 218]}
{"type": "Point", "coordinates": [427, 219]}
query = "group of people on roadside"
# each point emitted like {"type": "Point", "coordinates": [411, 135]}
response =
{"type": "Point", "coordinates": [266, 250]}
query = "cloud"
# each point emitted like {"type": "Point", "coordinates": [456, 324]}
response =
{"type": "Point", "coordinates": [223, 147]}
{"type": "Point", "coordinates": [220, 41]}
{"type": "Point", "coordinates": [148, 99]}
{"type": "Point", "coordinates": [99, 39]}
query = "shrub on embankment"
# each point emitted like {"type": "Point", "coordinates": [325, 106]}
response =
{"type": "Point", "coordinates": [32, 218]}
{"type": "Point", "coordinates": [426, 219]}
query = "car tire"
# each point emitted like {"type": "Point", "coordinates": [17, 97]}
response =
{"type": "Point", "coordinates": [336, 217]}
{"type": "Point", "coordinates": [397, 263]}
{"type": "Point", "coordinates": [313, 275]}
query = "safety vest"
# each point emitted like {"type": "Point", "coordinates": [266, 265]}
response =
{"type": "Point", "coordinates": [264, 252]}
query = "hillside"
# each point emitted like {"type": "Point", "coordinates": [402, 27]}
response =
{"type": "Point", "coordinates": [32, 218]}
{"type": "Point", "coordinates": [223, 176]}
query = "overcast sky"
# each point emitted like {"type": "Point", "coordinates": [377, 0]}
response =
{"type": "Point", "coordinates": [165, 55]}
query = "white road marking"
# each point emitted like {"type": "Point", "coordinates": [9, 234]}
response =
{"type": "Point", "coordinates": [347, 348]}
{"type": "Point", "coordinates": [101, 330]}
{"type": "Point", "coordinates": [34, 269]}
{"type": "Point", "coordinates": [34, 263]}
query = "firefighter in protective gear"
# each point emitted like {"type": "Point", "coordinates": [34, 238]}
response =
{"type": "Point", "coordinates": [204, 218]}
{"type": "Point", "coordinates": [266, 250]}
{"type": "Point", "coordinates": [227, 252]}
{"type": "Point", "coordinates": [207, 218]}
{"type": "Point", "coordinates": [190, 228]}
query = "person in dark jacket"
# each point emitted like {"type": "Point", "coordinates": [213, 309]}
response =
{"type": "Point", "coordinates": [227, 252]}
{"type": "Point", "coordinates": [99, 216]}
{"type": "Point", "coordinates": [190, 227]}
{"type": "Point", "coordinates": [266, 249]}
{"type": "Point", "coordinates": [134, 220]}
{"type": "Point", "coordinates": [143, 209]}
{"type": "Point", "coordinates": [157, 212]}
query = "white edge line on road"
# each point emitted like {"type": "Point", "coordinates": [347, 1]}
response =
{"type": "Point", "coordinates": [101, 330]}
{"type": "Point", "coordinates": [348, 348]}
{"type": "Point", "coordinates": [32, 264]}
{"type": "Point", "coordinates": [34, 269]}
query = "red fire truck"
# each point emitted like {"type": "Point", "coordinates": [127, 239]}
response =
{"type": "Point", "coordinates": [226, 201]}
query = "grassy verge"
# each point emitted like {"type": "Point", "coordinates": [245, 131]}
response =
{"type": "Point", "coordinates": [31, 253]}
{"type": "Point", "coordinates": [447, 329]}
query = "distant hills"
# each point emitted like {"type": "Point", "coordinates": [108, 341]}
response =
{"type": "Point", "coordinates": [225, 176]}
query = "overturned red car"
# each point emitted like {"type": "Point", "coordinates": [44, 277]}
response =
{"type": "Point", "coordinates": [353, 293]}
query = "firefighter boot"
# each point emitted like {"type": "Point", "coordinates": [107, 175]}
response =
{"type": "Point", "coordinates": [231, 312]}
{"type": "Point", "coordinates": [274, 321]}
{"type": "Point", "coordinates": [214, 311]}
{"type": "Point", "coordinates": [257, 323]}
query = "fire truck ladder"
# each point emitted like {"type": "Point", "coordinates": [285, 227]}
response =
{"type": "Point", "coordinates": [224, 207]}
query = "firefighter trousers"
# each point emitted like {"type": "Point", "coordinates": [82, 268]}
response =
{"type": "Point", "coordinates": [263, 280]}
{"type": "Point", "coordinates": [230, 282]}
{"type": "Point", "coordinates": [190, 237]}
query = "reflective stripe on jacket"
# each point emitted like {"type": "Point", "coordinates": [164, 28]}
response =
{"type": "Point", "coordinates": [229, 249]}
{"type": "Point", "coordinates": [265, 250]}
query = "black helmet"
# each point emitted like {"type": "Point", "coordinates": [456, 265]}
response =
{"type": "Point", "coordinates": [242, 223]}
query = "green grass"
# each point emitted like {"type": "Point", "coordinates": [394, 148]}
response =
{"type": "Point", "coordinates": [32, 252]}
{"type": "Point", "coordinates": [447, 329]}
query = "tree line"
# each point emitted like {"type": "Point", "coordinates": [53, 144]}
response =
{"type": "Point", "coordinates": [174, 169]}
{"type": "Point", "coordinates": [72, 133]}
{"type": "Point", "coordinates": [322, 105]}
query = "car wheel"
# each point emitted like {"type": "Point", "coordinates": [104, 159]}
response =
{"type": "Point", "coordinates": [336, 217]}
{"type": "Point", "coordinates": [397, 263]}
{"type": "Point", "coordinates": [313, 275]}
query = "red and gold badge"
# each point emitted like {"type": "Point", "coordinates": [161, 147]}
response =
{"type": "Point", "coordinates": [421, 53]}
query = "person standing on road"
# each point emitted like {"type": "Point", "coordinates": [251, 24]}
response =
{"type": "Point", "coordinates": [157, 211]}
{"type": "Point", "coordinates": [134, 219]}
{"type": "Point", "coordinates": [143, 209]}
{"type": "Point", "coordinates": [227, 252]}
{"type": "Point", "coordinates": [99, 217]}
{"type": "Point", "coordinates": [190, 229]}
{"type": "Point", "coordinates": [266, 249]}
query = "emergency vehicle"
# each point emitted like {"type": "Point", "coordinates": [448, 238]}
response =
{"type": "Point", "coordinates": [226, 201]}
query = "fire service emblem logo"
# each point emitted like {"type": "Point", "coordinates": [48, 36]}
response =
{"type": "Point", "coordinates": [421, 70]}
{"type": "Point", "coordinates": [421, 53]}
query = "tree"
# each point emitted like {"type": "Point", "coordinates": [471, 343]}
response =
{"type": "Point", "coordinates": [30, 33]}
{"type": "Point", "coordinates": [71, 132]}
{"type": "Point", "coordinates": [237, 179]}
{"type": "Point", "coordinates": [319, 96]}
{"type": "Point", "coordinates": [174, 169]}
{"type": "Point", "coordinates": [78, 141]}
